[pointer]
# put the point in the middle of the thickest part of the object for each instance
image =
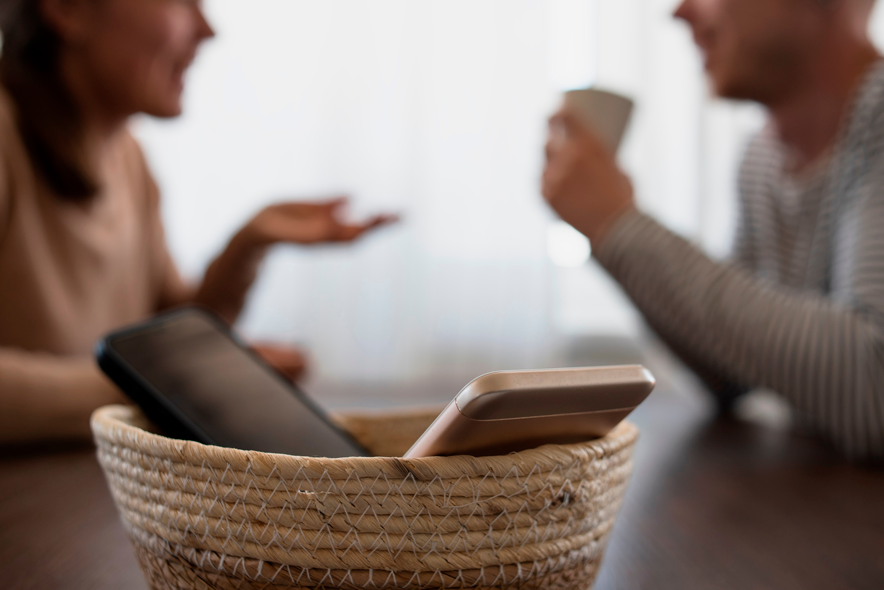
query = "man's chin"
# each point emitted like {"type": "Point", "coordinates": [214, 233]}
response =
{"type": "Point", "coordinates": [730, 88]}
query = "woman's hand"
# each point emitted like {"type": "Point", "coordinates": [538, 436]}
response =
{"type": "Point", "coordinates": [290, 362]}
{"type": "Point", "coordinates": [307, 223]}
{"type": "Point", "coordinates": [229, 278]}
{"type": "Point", "coordinates": [581, 181]}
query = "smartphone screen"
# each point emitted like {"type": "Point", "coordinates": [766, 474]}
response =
{"type": "Point", "coordinates": [235, 400]}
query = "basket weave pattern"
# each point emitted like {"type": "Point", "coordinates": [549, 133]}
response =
{"type": "Point", "coordinates": [208, 517]}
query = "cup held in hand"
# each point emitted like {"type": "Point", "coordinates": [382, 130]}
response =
{"type": "Point", "coordinates": [605, 113]}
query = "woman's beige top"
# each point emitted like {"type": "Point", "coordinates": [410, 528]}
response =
{"type": "Point", "coordinates": [70, 272]}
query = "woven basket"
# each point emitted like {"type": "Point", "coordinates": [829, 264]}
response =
{"type": "Point", "coordinates": [204, 517]}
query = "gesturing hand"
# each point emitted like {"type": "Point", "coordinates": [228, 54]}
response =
{"type": "Point", "coordinates": [230, 276]}
{"type": "Point", "coordinates": [308, 223]}
{"type": "Point", "coordinates": [581, 181]}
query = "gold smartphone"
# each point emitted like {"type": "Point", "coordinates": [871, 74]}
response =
{"type": "Point", "coordinates": [510, 411]}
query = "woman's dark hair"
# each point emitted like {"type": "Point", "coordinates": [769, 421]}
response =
{"type": "Point", "coordinates": [48, 118]}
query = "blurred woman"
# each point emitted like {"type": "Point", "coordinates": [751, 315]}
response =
{"type": "Point", "coordinates": [82, 248]}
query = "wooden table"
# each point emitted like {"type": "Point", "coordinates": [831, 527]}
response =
{"type": "Point", "coordinates": [714, 503]}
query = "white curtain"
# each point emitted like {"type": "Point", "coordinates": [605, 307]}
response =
{"type": "Point", "coordinates": [435, 109]}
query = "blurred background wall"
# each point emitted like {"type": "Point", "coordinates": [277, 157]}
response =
{"type": "Point", "coordinates": [436, 109]}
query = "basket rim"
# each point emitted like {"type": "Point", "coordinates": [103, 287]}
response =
{"type": "Point", "coordinates": [117, 424]}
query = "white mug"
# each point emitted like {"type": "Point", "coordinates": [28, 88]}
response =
{"type": "Point", "coordinates": [604, 113]}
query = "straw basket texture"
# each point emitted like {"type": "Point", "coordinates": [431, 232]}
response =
{"type": "Point", "coordinates": [204, 517]}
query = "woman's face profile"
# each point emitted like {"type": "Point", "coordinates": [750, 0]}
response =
{"type": "Point", "coordinates": [131, 55]}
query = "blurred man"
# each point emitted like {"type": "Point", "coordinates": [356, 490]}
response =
{"type": "Point", "coordinates": [800, 309]}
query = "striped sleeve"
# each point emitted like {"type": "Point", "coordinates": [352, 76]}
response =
{"type": "Point", "coordinates": [825, 354]}
{"type": "Point", "coordinates": [759, 154]}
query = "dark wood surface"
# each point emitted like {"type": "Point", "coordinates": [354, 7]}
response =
{"type": "Point", "coordinates": [714, 503]}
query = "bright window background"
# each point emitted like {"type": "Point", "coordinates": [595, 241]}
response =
{"type": "Point", "coordinates": [436, 109]}
{"type": "Point", "coordinates": [433, 109]}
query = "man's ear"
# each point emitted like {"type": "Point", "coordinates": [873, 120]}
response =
{"type": "Point", "coordinates": [68, 18]}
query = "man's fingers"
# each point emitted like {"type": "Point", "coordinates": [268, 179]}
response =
{"type": "Point", "coordinates": [559, 169]}
{"type": "Point", "coordinates": [549, 150]}
{"type": "Point", "coordinates": [573, 126]}
{"type": "Point", "coordinates": [550, 185]}
{"type": "Point", "coordinates": [551, 181]}
{"type": "Point", "coordinates": [556, 119]}
{"type": "Point", "coordinates": [576, 131]}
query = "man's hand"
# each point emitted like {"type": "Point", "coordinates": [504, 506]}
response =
{"type": "Point", "coordinates": [291, 362]}
{"type": "Point", "coordinates": [307, 223]}
{"type": "Point", "coordinates": [581, 181]}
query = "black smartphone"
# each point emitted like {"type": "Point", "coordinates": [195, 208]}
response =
{"type": "Point", "coordinates": [196, 380]}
